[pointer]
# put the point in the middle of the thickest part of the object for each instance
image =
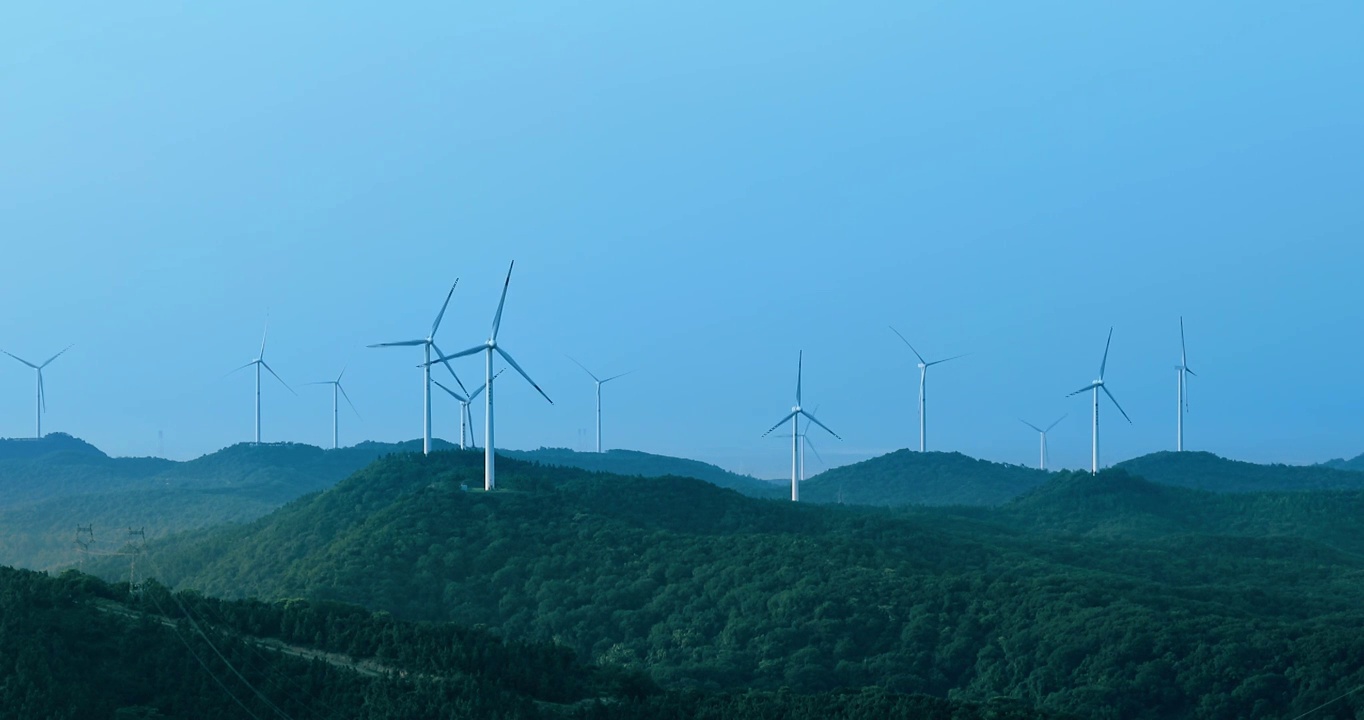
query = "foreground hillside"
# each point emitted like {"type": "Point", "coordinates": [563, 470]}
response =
{"type": "Point", "coordinates": [73, 648]}
{"type": "Point", "coordinates": [1205, 471]}
{"type": "Point", "coordinates": [906, 477]}
{"type": "Point", "coordinates": [704, 588]}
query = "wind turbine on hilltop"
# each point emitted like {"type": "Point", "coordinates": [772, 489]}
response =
{"type": "Point", "coordinates": [599, 382]}
{"type": "Point", "coordinates": [466, 418]}
{"type": "Point", "coordinates": [259, 362]}
{"type": "Point", "coordinates": [1042, 463]}
{"type": "Point", "coordinates": [427, 343]}
{"type": "Point", "coordinates": [337, 388]}
{"type": "Point", "coordinates": [1183, 369]}
{"type": "Point", "coordinates": [489, 347]}
{"type": "Point", "coordinates": [1095, 387]}
{"type": "Point", "coordinates": [794, 418]}
{"type": "Point", "coordinates": [924, 365]}
{"type": "Point", "coordinates": [40, 403]}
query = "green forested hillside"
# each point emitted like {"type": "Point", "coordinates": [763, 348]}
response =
{"type": "Point", "coordinates": [631, 462]}
{"type": "Point", "coordinates": [74, 648]}
{"type": "Point", "coordinates": [706, 589]}
{"type": "Point", "coordinates": [1205, 471]}
{"type": "Point", "coordinates": [906, 477]}
{"type": "Point", "coordinates": [1354, 464]}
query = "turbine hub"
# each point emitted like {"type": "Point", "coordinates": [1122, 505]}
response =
{"type": "Point", "coordinates": [795, 409]}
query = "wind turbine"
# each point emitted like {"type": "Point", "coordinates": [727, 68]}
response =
{"type": "Point", "coordinates": [1184, 372]}
{"type": "Point", "coordinates": [40, 403]}
{"type": "Point", "coordinates": [924, 365]}
{"type": "Point", "coordinates": [336, 387]}
{"type": "Point", "coordinates": [259, 362]}
{"type": "Point", "coordinates": [794, 417]}
{"type": "Point", "coordinates": [466, 418]}
{"type": "Point", "coordinates": [489, 347]}
{"type": "Point", "coordinates": [1042, 464]}
{"type": "Point", "coordinates": [1094, 388]}
{"type": "Point", "coordinates": [427, 343]}
{"type": "Point", "coordinates": [599, 382]}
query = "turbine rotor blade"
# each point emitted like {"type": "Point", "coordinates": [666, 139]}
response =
{"type": "Point", "coordinates": [16, 357]}
{"type": "Point", "coordinates": [484, 386]}
{"type": "Point", "coordinates": [277, 377]}
{"type": "Point", "coordinates": [1104, 364]}
{"type": "Point", "coordinates": [461, 353]}
{"type": "Point", "coordinates": [1034, 427]}
{"type": "Point", "coordinates": [448, 366]}
{"type": "Point", "coordinates": [1058, 421]}
{"type": "Point", "coordinates": [613, 377]}
{"type": "Point", "coordinates": [1183, 349]}
{"type": "Point", "coordinates": [800, 362]}
{"type": "Point", "coordinates": [1115, 403]}
{"type": "Point", "coordinates": [954, 357]}
{"type": "Point", "coordinates": [1084, 389]}
{"type": "Point", "coordinates": [264, 335]}
{"type": "Point", "coordinates": [584, 367]}
{"type": "Point", "coordinates": [911, 347]}
{"type": "Point", "coordinates": [42, 391]}
{"type": "Point", "coordinates": [813, 450]}
{"type": "Point", "coordinates": [497, 319]}
{"type": "Point", "coordinates": [516, 367]}
{"type": "Point", "coordinates": [54, 357]}
{"type": "Point", "coordinates": [404, 343]}
{"type": "Point", "coordinates": [453, 394]}
{"type": "Point", "coordinates": [236, 370]}
{"type": "Point", "coordinates": [779, 424]}
{"type": "Point", "coordinates": [812, 419]}
{"type": "Point", "coordinates": [436, 325]}
{"type": "Point", "coordinates": [342, 388]}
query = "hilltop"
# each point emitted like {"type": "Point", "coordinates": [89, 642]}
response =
{"type": "Point", "coordinates": [1206, 471]}
{"type": "Point", "coordinates": [642, 464]}
{"type": "Point", "coordinates": [906, 477]}
{"type": "Point", "coordinates": [704, 588]}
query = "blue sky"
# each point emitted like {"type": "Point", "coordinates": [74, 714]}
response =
{"type": "Point", "coordinates": [696, 191]}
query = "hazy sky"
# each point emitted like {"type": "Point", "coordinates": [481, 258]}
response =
{"type": "Point", "coordinates": [697, 191]}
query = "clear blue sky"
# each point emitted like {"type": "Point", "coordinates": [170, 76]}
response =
{"type": "Point", "coordinates": [697, 191]}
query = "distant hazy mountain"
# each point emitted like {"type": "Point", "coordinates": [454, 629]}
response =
{"type": "Point", "coordinates": [1205, 471]}
{"type": "Point", "coordinates": [642, 464]}
{"type": "Point", "coordinates": [1354, 464]}
{"type": "Point", "coordinates": [906, 477]}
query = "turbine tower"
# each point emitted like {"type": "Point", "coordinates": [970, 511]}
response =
{"type": "Point", "coordinates": [259, 362]}
{"type": "Point", "coordinates": [466, 418]}
{"type": "Point", "coordinates": [1094, 388]}
{"type": "Point", "coordinates": [336, 387]}
{"type": "Point", "coordinates": [40, 402]}
{"type": "Point", "coordinates": [599, 382]}
{"type": "Point", "coordinates": [427, 344]}
{"type": "Point", "coordinates": [794, 418]}
{"type": "Point", "coordinates": [489, 347]}
{"type": "Point", "coordinates": [1184, 372]}
{"type": "Point", "coordinates": [924, 365]}
{"type": "Point", "coordinates": [1042, 463]}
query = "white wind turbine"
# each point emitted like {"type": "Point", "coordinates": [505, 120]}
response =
{"type": "Point", "coordinates": [489, 347]}
{"type": "Point", "coordinates": [427, 344]}
{"type": "Point", "coordinates": [1042, 463]}
{"type": "Point", "coordinates": [1094, 388]}
{"type": "Point", "coordinates": [599, 382]}
{"type": "Point", "coordinates": [259, 362]}
{"type": "Point", "coordinates": [466, 418]}
{"type": "Point", "coordinates": [794, 418]}
{"type": "Point", "coordinates": [337, 388]}
{"type": "Point", "coordinates": [924, 365]}
{"type": "Point", "coordinates": [40, 403]}
{"type": "Point", "coordinates": [1184, 372]}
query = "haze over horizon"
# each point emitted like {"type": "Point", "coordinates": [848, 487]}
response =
{"type": "Point", "coordinates": [696, 193]}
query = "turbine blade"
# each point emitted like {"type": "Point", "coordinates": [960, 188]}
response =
{"type": "Point", "coordinates": [1183, 350]}
{"type": "Point", "coordinates": [453, 394]}
{"type": "Point", "coordinates": [320, 382]}
{"type": "Point", "coordinates": [436, 325]}
{"type": "Point", "coordinates": [497, 319]}
{"type": "Point", "coordinates": [54, 357]}
{"type": "Point", "coordinates": [954, 357]}
{"type": "Point", "coordinates": [1191, 372]}
{"type": "Point", "coordinates": [1115, 402]}
{"type": "Point", "coordinates": [277, 377]}
{"type": "Point", "coordinates": [812, 419]}
{"type": "Point", "coordinates": [779, 424]}
{"type": "Point", "coordinates": [1058, 421]}
{"type": "Point", "coordinates": [1104, 364]}
{"type": "Point", "coordinates": [584, 367]}
{"type": "Point", "coordinates": [1084, 389]}
{"type": "Point", "coordinates": [16, 357]}
{"type": "Point", "coordinates": [342, 373]}
{"type": "Point", "coordinates": [42, 391]}
{"type": "Point", "coordinates": [235, 370]}
{"type": "Point", "coordinates": [1034, 427]}
{"type": "Point", "coordinates": [404, 343]}
{"type": "Point", "coordinates": [811, 445]}
{"type": "Point", "coordinates": [448, 366]}
{"type": "Point", "coordinates": [516, 367]}
{"type": "Point", "coordinates": [484, 386]}
{"type": "Point", "coordinates": [263, 336]}
{"type": "Point", "coordinates": [800, 362]}
{"type": "Point", "coordinates": [911, 347]}
{"type": "Point", "coordinates": [613, 377]}
{"type": "Point", "coordinates": [461, 353]}
{"type": "Point", "coordinates": [342, 388]}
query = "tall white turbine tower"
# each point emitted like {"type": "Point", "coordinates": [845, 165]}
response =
{"type": "Point", "coordinates": [924, 365]}
{"type": "Point", "coordinates": [259, 362]}
{"type": "Point", "coordinates": [599, 382]}
{"type": "Point", "coordinates": [1042, 463]}
{"type": "Point", "coordinates": [1184, 372]}
{"type": "Point", "coordinates": [427, 344]}
{"type": "Point", "coordinates": [466, 418]}
{"type": "Point", "coordinates": [1094, 388]}
{"type": "Point", "coordinates": [489, 347]}
{"type": "Point", "coordinates": [794, 418]}
{"type": "Point", "coordinates": [337, 388]}
{"type": "Point", "coordinates": [40, 402]}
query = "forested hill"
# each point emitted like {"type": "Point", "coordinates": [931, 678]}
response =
{"type": "Point", "coordinates": [704, 588]}
{"type": "Point", "coordinates": [1354, 464]}
{"type": "Point", "coordinates": [631, 462]}
{"type": "Point", "coordinates": [1205, 471]}
{"type": "Point", "coordinates": [906, 477]}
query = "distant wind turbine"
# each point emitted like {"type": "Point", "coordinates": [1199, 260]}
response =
{"type": "Point", "coordinates": [1094, 388]}
{"type": "Point", "coordinates": [427, 344]}
{"type": "Point", "coordinates": [337, 388]}
{"type": "Point", "coordinates": [259, 362]}
{"type": "Point", "coordinates": [40, 403]}
{"type": "Point", "coordinates": [599, 382]}
{"type": "Point", "coordinates": [466, 418]}
{"type": "Point", "coordinates": [489, 347]}
{"type": "Point", "coordinates": [924, 365]}
{"type": "Point", "coordinates": [1184, 372]}
{"type": "Point", "coordinates": [794, 419]}
{"type": "Point", "coordinates": [1042, 463]}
